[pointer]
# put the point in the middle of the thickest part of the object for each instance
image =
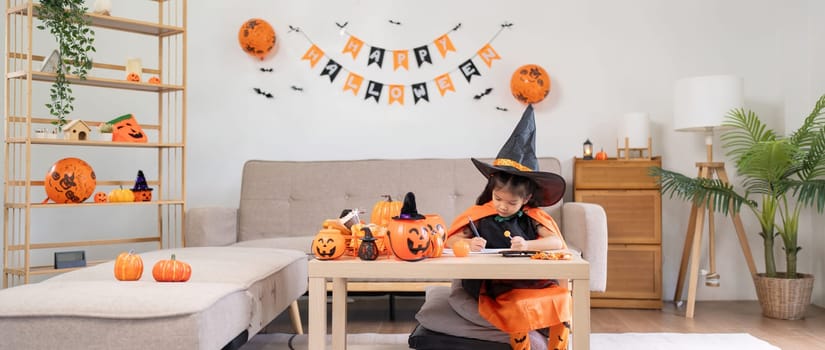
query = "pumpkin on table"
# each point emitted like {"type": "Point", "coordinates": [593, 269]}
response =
{"type": "Point", "coordinates": [328, 244]}
{"type": "Point", "coordinates": [70, 180]}
{"type": "Point", "coordinates": [409, 232]}
{"type": "Point", "coordinates": [436, 226]}
{"type": "Point", "coordinates": [601, 155]}
{"type": "Point", "coordinates": [171, 270]}
{"type": "Point", "coordinates": [383, 211]}
{"type": "Point", "coordinates": [128, 266]}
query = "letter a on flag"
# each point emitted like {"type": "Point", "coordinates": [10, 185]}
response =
{"type": "Point", "coordinates": [353, 46]}
{"type": "Point", "coordinates": [444, 83]}
{"type": "Point", "coordinates": [444, 45]}
{"type": "Point", "coordinates": [313, 55]}
{"type": "Point", "coordinates": [353, 83]}
{"type": "Point", "coordinates": [488, 54]}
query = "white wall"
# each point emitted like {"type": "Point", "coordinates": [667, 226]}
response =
{"type": "Point", "coordinates": [605, 58]}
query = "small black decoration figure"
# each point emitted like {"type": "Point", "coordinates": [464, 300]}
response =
{"type": "Point", "coordinates": [368, 250]}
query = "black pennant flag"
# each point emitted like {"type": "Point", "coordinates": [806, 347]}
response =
{"type": "Point", "coordinates": [374, 91]}
{"type": "Point", "coordinates": [422, 54]}
{"type": "Point", "coordinates": [376, 56]}
{"type": "Point", "coordinates": [331, 69]}
{"type": "Point", "coordinates": [419, 92]}
{"type": "Point", "coordinates": [469, 70]}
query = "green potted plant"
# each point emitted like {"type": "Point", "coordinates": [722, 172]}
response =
{"type": "Point", "coordinates": [67, 21]}
{"type": "Point", "coordinates": [780, 177]}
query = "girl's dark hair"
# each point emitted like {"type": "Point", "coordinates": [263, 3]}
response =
{"type": "Point", "coordinates": [518, 185]}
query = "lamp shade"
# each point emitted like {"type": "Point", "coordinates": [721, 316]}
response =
{"type": "Point", "coordinates": [636, 128]}
{"type": "Point", "coordinates": [701, 103]}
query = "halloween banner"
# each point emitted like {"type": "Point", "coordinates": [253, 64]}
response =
{"type": "Point", "coordinates": [373, 90]}
{"type": "Point", "coordinates": [400, 57]}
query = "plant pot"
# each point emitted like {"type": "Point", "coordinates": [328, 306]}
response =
{"type": "Point", "coordinates": [784, 298]}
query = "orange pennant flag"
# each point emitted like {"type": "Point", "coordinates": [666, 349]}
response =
{"type": "Point", "coordinates": [444, 83]}
{"type": "Point", "coordinates": [488, 54]}
{"type": "Point", "coordinates": [444, 44]}
{"type": "Point", "coordinates": [313, 55]}
{"type": "Point", "coordinates": [353, 83]}
{"type": "Point", "coordinates": [353, 46]}
{"type": "Point", "coordinates": [400, 58]}
{"type": "Point", "coordinates": [396, 94]}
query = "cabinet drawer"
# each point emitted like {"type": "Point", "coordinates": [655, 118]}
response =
{"type": "Point", "coordinates": [615, 174]}
{"type": "Point", "coordinates": [633, 272]}
{"type": "Point", "coordinates": [632, 216]}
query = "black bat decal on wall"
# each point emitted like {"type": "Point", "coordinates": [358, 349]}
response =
{"type": "Point", "coordinates": [485, 93]}
{"type": "Point", "coordinates": [506, 25]}
{"type": "Point", "coordinates": [268, 70]}
{"type": "Point", "coordinates": [295, 88]}
{"type": "Point", "coordinates": [394, 22]}
{"type": "Point", "coordinates": [456, 27]}
{"type": "Point", "coordinates": [501, 109]}
{"type": "Point", "coordinates": [261, 92]}
{"type": "Point", "coordinates": [341, 25]}
{"type": "Point", "coordinates": [293, 29]}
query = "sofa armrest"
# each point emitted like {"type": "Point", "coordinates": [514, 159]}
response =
{"type": "Point", "coordinates": [211, 226]}
{"type": "Point", "coordinates": [584, 226]}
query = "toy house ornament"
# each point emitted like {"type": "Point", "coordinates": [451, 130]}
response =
{"type": "Point", "coordinates": [142, 191]}
{"type": "Point", "coordinates": [77, 130]}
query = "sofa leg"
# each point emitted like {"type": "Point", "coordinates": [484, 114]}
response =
{"type": "Point", "coordinates": [295, 316]}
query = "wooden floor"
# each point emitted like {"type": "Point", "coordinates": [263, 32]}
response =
{"type": "Point", "coordinates": [370, 314]}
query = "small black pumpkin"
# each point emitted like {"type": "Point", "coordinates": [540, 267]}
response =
{"type": "Point", "coordinates": [368, 250]}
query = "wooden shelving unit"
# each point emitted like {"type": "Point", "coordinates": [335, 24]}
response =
{"type": "Point", "coordinates": [20, 240]}
{"type": "Point", "coordinates": [632, 201]}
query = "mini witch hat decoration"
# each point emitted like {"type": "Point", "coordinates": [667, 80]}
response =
{"type": "Point", "coordinates": [518, 157]}
{"type": "Point", "coordinates": [140, 183]}
{"type": "Point", "coordinates": [408, 209]}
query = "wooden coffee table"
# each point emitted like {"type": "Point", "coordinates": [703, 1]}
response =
{"type": "Point", "coordinates": [476, 266]}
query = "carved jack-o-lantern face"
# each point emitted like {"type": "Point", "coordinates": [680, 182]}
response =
{"type": "Point", "coordinates": [143, 196]}
{"type": "Point", "coordinates": [133, 77]}
{"type": "Point", "coordinates": [328, 244]}
{"type": "Point", "coordinates": [101, 197]}
{"type": "Point", "coordinates": [436, 225]}
{"type": "Point", "coordinates": [126, 129]}
{"type": "Point", "coordinates": [70, 180]}
{"type": "Point", "coordinates": [409, 239]}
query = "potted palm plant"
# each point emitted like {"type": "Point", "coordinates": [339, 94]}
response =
{"type": "Point", "coordinates": [780, 177]}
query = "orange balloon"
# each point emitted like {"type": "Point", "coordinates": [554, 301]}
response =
{"type": "Point", "coordinates": [461, 248]}
{"type": "Point", "coordinates": [70, 180]}
{"type": "Point", "coordinates": [257, 38]}
{"type": "Point", "coordinates": [530, 84]}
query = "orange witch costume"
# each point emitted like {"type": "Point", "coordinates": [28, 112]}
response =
{"type": "Point", "coordinates": [520, 306]}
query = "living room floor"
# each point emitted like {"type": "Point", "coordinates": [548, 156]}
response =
{"type": "Point", "coordinates": [370, 314]}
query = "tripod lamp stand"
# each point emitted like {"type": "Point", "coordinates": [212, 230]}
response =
{"type": "Point", "coordinates": [700, 105]}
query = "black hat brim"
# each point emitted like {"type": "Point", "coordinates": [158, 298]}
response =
{"type": "Point", "coordinates": [550, 189]}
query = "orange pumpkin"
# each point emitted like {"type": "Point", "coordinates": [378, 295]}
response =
{"type": "Point", "coordinates": [601, 155]}
{"type": "Point", "coordinates": [530, 84]}
{"type": "Point", "coordinates": [128, 266]}
{"type": "Point", "coordinates": [70, 180]}
{"type": "Point", "coordinates": [329, 244]}
{"type": "Point", "coordinates": [257, 38]}
{"type": "Point", "coordinates": [126, 129]}
{"type": "Point", "coordinates": [383, 211]}
{"type": "Point", "coordinates": [142, 192]}
{"type": "Point", "coordinates": [436, 226]}
{"type": "Point", "coordinates": [133, 77]}
{"type": "Point", "coordinates": [171, 270]}
{"type": "Point", "coordinates": [154, 80]}
{"type": "Point", "coordinates": [409, 239]}
{"type": "Point", "coordinates": [101, 197]}
{"type": "Point", "coordinates": [461, 248]}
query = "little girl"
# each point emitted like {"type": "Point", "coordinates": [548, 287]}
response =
{"type": "Point", "coordinates": [507, 214]}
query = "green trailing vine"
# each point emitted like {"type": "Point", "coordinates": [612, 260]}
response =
{"type": "Point", "coordinates": [67, 21]}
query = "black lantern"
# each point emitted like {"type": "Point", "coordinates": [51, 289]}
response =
{"type": "Point", "coordinates": [368, 250]}
{"type": "Point", "coordinates": [587, 150]}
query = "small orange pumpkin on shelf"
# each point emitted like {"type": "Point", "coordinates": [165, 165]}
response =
{"type": "Point", "coordinates": [171, 270]}
{"type": "Point", "coordinates": [128, 266]}
{"type": "Point", "coordinates": [154, 80]}
{"type": "Point", "coordinates": [126, 129]}
{"type": "Point", "coordinates": [601, 155]}
{"type": "Point", "coordinates": [134, 77]}
{"type": "Point", "coordinates": [101, 197]}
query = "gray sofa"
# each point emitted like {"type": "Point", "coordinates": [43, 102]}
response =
{"type": "Point", "coordinates": [283, 204]}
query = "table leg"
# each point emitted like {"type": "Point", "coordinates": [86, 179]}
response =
{"type": "Point", "coordinates": [339, 314]}
{"type": "Point", "coordinates": [581, 314]}
{"type": "Point", "coordinates": [317, 313]}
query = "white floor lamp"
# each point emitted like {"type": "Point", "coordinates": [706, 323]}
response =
{"type": "Point", "coordinates": [700, 105]}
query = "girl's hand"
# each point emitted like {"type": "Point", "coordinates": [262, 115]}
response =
{"type": "Point", "coordinates": [477, 244]}
{"type": "Point", "coordinates": [518, 243]}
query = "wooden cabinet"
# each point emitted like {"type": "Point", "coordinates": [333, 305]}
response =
{"type": "Point", "coordinates": [34, 229]}
{"type": "Point", "coordinates": [633, 203]}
